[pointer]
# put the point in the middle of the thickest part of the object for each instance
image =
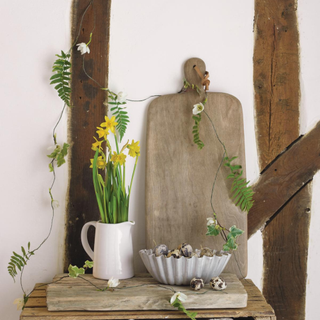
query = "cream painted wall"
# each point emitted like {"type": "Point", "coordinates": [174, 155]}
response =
{"type": "Point", "coordinates": [148, 47]}
{"type": "Point", "coordinates": [32, 32]}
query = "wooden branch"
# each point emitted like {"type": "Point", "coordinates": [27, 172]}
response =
{"type": "Point", "coordinates": [284, 178]}
{"type": "Point", "coordinates": [86, 114]}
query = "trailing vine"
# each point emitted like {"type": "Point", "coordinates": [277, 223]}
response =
{"type": "Point", "coordinates": [241, 193]}
{"type": "Point", "coordinates": [61, 78]}
{"type": "Point", "coordinates": [195, 131]}
{"type": "Point", "coordinates": [118, 110]}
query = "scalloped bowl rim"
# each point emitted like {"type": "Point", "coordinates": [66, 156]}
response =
{"type": "Point", "coordinates": [180, 271]}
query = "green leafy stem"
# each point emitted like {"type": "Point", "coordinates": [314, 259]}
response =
{"type": "Point", "coordinates": [195, 131]}
{"type": "Point", "coordinates": [178, 304]}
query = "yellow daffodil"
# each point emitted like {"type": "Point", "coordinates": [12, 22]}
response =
{"type": "Point", "coordinates": [102, 133]}
{"type": "Point", "coordinates": [118, 158]}
{"type": "Point", "coordinates": [109, 124]}
{"type": "Point", "coordinates": [101, 163]}
{"type": "Point", "coordinates": [134, 149]}
{"type": "Point", "coordinates": [122, 158]}
{"type": "Point", "coordinates": [114, 157]}
{"type": "Point", "coordinates": [96, 144]}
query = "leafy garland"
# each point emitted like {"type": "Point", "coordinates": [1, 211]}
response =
{"type": "Point", "coordinates": [195, 131]}
{"type": "Point", "coordinates": [241, 193]}
{"type": "Point", "coordinates": [119, 112]}
{"type": "Point", "coordinates": [61, 78]}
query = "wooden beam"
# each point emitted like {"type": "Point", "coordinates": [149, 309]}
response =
{"type": "Point", "coordinates": [285, 257]}
{"type": "Point", "coordinates": [277, 99]}
{"type": "Point", "coordinates": [87, 111]}
{"type": "Point", "coordinates": [276, 77]}
{"type": "Point", "coordinates": [286, 176]}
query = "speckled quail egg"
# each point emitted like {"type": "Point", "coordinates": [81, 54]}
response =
{"type": "Point", "coordinates": [186, 249]}
{"type": "Point", "coordinates": [196, 284]}
{"type": "Point", "coordinates": [218, 283]}
{"type": "Point", "coordinates": [161, 250]}
{"type": "Point", "coordinates": [206, 252]}
{"type": "Point", "coordinates": [174, 253]}
{"type": "Point", "coordinates": [194, 254]}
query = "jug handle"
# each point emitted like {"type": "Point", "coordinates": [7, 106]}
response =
{"type": "Point", "coordinates": [84, 238]}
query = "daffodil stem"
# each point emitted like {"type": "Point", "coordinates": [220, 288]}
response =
{"type": "Point", "coordinates": [134, 170]}
{"type": "Point", "coordinates": [124, 179]}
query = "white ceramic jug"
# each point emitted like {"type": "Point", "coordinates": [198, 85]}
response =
{"type": "Point", "coordinates": [113, 249]}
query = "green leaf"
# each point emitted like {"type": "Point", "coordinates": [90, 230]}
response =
{"type": "Point", "coordinates": [212, 231]}
{"type": "Point", "coordinates": [88, 264]}
{"type": "Point", "coordinates": [178, 304]}
{"type": "Point", "coordinates": [74, 271]}
{"type": "Point", "coordinates": [61, 77]}
{"type": "Point", "coordinates": [50, 167]}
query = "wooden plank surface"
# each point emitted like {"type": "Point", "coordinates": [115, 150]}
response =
{"type": "Point", "coordinates": [277, 100]}
{"type": "Point", "coordinates": [257, 308]}
{"type": "Point", "coordinates": [289, 173]}
{"type": "Point", "coordinates": [139, 294]}
{"type": "Point", "coordinates": [87, 112]}
{"type": "Point", "coordinates": [179, 177]}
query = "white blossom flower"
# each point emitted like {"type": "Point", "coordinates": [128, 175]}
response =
{"type": "Point", "coordinates": [55, 204]}
{"type": "Point", "coordinates": [122, 97]}
{"type": "Point", "coordinates": [112, 283]}
{"type": "Point", "coordinates": [181, 296]}
{"type": "Point", "coordinates": [198, 108]}
{"type": "Point", "coordinates": [83, 48]}
{"type": "Point", "coordinates": [52, 148]}
{"type": "Point", "coordinates": [19, 302]}
{"type": "Point", "coordinates": [210, 221]}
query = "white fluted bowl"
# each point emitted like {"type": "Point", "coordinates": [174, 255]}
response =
{"type": "Point", "coordinates": [181, 271]}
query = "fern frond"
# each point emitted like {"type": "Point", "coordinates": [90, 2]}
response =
{"type": "Point", "coordinates": [61, 77]}
{"type": "Point", "coordinates": [18, 261]}
{"type": "Point", "coordinates": [241, 194]}
{"type": "Point", "coordinates": [195, 131]}
{"type": "Point", "coordinates": [121, 117]}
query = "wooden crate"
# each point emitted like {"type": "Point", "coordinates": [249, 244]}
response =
{"type": "Point", "coordinates": [257, 308]}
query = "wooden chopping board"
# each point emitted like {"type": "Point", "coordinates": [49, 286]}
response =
{"type": "Point", "coordinates": [179, 176]}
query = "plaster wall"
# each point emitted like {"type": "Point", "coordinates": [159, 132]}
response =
{"type": "Point", "coordinates": [150, 40]}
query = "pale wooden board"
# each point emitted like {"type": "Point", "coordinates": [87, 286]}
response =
{"type": "Point", "coordinates": [179, 177]}
{"type": "Point", "coordinates": [139, 294]}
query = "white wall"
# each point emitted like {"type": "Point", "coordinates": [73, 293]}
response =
{"type": "Point", "coordinates": [150, 40]}
{"type": "Point", "coordinates": [32, 32]}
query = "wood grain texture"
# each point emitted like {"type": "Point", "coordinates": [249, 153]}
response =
{"type": "Point", "coordinates": [277, 99]}
{"type": "Point", "coordinates": [179, 177]}
{"type": "Point", "coordinates": [257, 308]}
{"type": "Point", "coordinates": [87, 112]}
{"type": "Point", "coordinates": [276, 77]}
{"type": "Point", "coordinates": [290, 172]}
{"type": "Point", "coordinates": [285, 257]}
{"type": "Point", "coordinates": [138, 294]}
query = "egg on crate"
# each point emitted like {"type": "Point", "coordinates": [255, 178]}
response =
{"type": "Point", "coordinates": [161, 250]}
{"type": "Point", "coordinates": [218, 283]}
{"type": "Point", "coordinates": [185, 249]}
{"type": "Point", "coordinates": [196, 284]}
